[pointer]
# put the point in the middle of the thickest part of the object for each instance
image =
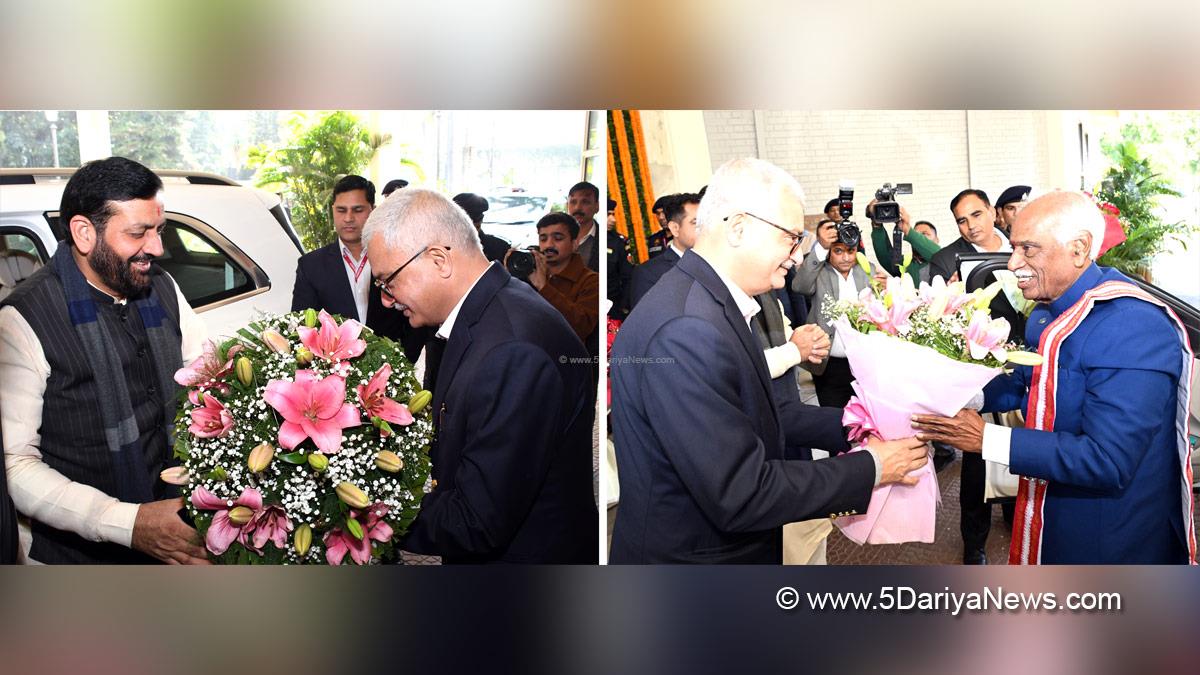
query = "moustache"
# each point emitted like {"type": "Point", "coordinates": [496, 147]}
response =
{"type": "Point", "coordinates": [548, 251]}
{"type": "Point", "coordinates": [578, 214]}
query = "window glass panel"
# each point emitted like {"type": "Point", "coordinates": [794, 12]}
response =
{"type": "Point", "coordinates": [204, 273]}
{"type": "Point", "coordinates": [19, 259]}
{"type": "Point", "coordinates": [595, 120]}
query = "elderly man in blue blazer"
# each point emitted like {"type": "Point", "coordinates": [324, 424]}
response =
{"type": "Point", "coordinates": [514, 401]}
{"type": "Point", "coordinates": [1104, 457]}
{"type": "Point", "coordinates": [709, 482]}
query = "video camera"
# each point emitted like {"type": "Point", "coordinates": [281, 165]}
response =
{"type": "Point", "coordinates": [887, 210]}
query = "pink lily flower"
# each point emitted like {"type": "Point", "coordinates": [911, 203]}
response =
{"type": "Point", "coordinates": [892, 320]}
{"type": "Point", "coordinates": [332, 342]}
{"type": "Point", "coordinates": [312, 408]}
{"type": "Point", "coordinates": [271, 524]}
{"type": "Point", "coordinates": [984, 336]}
{"type": "Point", "coordinates": [210, 420]}
{"type": "Point", "coordinates": [207, 368]}
{"type": "Point", "coordinates": [223, 531]}
{"type": "Point", "coordinates": [339, 542]}
{"type": "Point", "coordinates": [374, 401]}
{"type": "Point", "coordinates": [943, 299]}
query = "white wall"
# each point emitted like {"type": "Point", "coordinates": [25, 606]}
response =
{"type": "Point", "coordinates": [676, 152]}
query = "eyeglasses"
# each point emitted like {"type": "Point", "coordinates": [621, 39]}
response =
{"type": "Point", "coordinates": [796, 238]}
{"type": "Point", "coordinates": [383, 285]}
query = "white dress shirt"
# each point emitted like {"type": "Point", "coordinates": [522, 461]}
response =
{"type": "Point", "coordinates": [447, 326]}
{"type": "Point", "coordinates": [38, 491]}
{"type": "Point", "coordinates": [745, 304]}
{"type": "Point", "coordinates": [359, 286]}
{"type": "Point", "coordinates": [847, 290]}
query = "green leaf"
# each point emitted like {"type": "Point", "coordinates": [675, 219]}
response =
{"type": "Point", "coordinates": [294, 458]}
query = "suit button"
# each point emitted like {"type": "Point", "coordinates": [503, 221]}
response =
{"type": "Point", "coordinates": [1042, 320]}
{"type": "Point", "coordinates": [141, 352]}
{"type": "Point", "coordinates": [152, 390]}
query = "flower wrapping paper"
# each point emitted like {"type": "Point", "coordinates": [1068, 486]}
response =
{"type": "Point", "coordinates": [894, 380]}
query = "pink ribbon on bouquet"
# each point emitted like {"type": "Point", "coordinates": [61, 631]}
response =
{"type": "Point", "coordinates": [893, 380]}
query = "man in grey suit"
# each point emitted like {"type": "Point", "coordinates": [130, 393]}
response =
{"type": "Point", "coordinates": [830, 270]}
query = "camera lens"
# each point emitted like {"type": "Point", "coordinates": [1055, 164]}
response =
{"type": "Point", "coordinates": [520, 264]}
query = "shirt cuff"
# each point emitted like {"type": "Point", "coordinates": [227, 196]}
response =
{"type": "Point", "coordinates": [997, 443]}
{"type": "Point", "coordinates": [976, 402]}
{"type": "Point", "coordinates": [781, 358]}
{"type": "Point", "coordinates": [878, 466]}
{"type": "Point", "coordinates": [116, 525]}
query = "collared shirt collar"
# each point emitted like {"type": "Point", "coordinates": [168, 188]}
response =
{"type": "Point", "coordinates": [1004, 245]}
{"type": "Point", "coordinates": [1087, 280]}
{"type": "Point", "coordinates": [746, 305]}
{"type": "Point", "coordinates": [678, 251]}
{"type": "Point", "coordinates": [346, 252]}
{"type": "Point", "coordinates": [447, 326]}
{"type": "Point", "coordinates": [591, 233]}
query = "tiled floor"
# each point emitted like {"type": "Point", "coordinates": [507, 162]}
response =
{"type": "Point", "coordinates": [946, 548]}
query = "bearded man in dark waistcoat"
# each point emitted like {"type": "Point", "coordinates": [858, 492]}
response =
{"type": "Point", "coordinates": [88, 349]}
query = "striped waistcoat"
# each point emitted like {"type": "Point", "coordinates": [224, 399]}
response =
{"type": "Point", "coordinates": [72, 431]}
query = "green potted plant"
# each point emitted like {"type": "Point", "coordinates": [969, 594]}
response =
{"type": "Point", "coordinates": [321, 151]}
{"type": "Point", "coordinates": [1134, 188]}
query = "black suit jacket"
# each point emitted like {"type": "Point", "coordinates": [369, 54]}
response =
{"type": "Point", "coordinates": [648, 273]}
{"type": "Point", "coordinates": [945, 263]}
{"type": "Point", "coordinates": [513, 412]}
{"type": "Point", "coordinates": [620, 275]}
{"type": "Point", "coordinates": [709, 481]}
{"type": "Point", "coordinates": [321, 283]}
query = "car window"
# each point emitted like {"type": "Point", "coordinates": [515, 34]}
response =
{"type": "Point", "coordinates": [204, 272]}
{"type": "Point", "coordinates": [20, 257]}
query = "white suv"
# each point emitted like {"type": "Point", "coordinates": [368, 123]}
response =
{"type": "Point", "coordinates": [230, 248]}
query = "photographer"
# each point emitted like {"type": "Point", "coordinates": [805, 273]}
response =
{"type": "Point", "coordinates": [922, 237]}
{"type": "Point", "coordinates": [831, 270]}
{"type": "Point", "coordinates": [561, 277]}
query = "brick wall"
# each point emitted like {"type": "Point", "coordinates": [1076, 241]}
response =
{"type": "Point", "coordinates": [927, 148]}
{"type": "Point", "coordinates": [939, 152]}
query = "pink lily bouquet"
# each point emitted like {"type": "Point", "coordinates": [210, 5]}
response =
{"type": "Point", "coordinates": [926, 350]}
{"type": "Point", "coordinates": [302, 441]}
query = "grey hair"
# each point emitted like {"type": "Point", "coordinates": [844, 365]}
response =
{"type": "Point", "coordinates": [414, 217]}
{"type": "Point", "coordinates": [1074, 214]}
{"type": "Point", "coordinates": [743, 183]}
